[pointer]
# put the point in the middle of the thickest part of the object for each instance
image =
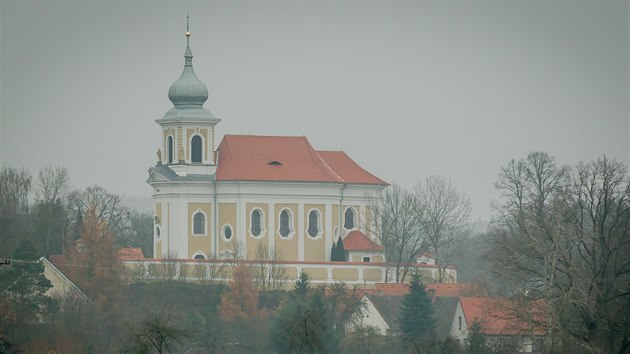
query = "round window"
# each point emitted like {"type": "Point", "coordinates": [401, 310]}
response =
{"type": "Point", "coordinates": [227, 232]}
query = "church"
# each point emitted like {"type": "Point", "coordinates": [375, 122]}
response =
{"type": "Point", "coordinates": [250, 192]}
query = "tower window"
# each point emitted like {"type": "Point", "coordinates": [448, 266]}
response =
{"type": "Point", "coordinates": [199, 223]}
{"type": "Point", "coordinates": [313, 223]}
{"type": "Point", "coordinates": [170, 149]}
{"type": "Point", "coordinates": [349, 222]}
{"type": "Point", "coordinates": [195, 149]}
{"type": "Point", "coordinates": [256, 222]}
{"type": "Point", "coordinates": [285, 223]}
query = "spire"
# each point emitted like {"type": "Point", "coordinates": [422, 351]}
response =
{"type": "Point", "coordinates": [188, 91]}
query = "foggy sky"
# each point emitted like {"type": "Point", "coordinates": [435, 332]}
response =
{"type": "Point", "coordinates": [407, 89]}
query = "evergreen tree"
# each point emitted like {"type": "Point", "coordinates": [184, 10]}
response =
{"type": "Point", "coordinates": [299, 325]}
{"type": "Point", "coordinates": [416, 315]}
{"type": "Point", "coordinates": [24, 287]}
{"type": "Point", "coordinates": [333, 252]}
{"type": "Point", "coordinates": [341, 251]}
{"type": "Point", "coordinates": [338, 253]}
{"type": "Point", "coordinates": [301, 285]}
{"type": "Point", "coordinates": [476, 340]}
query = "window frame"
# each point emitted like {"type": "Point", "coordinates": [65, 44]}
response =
{"type": "Point", "coordinates": [320, 229]}
{"type": "Point", "coordinates": [369, 259]}
{"type": "Point", "coordinates": [201, 142]}
{"type": "Point", "coordinates": [199, 253]}
{"type": "Point", "coordinates": [170, 149]}
{"type": "Point", "coordinates": [223, 228]}
{"type": "Point", "coordinates": [354, 218]}
{"type": "Point", "coordinates": [290, 226]}
{"type": "Point", "coordinates": [205, 223]}
{"type": "Point", "coordinates": [262, 223]}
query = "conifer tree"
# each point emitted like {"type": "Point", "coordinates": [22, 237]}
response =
{"type": "Point", "coordinates": [416, 315]}
{"type": "Point", "coordinates": [301, 285]}
{"type": "Point", "coordinates": [24, 287]}
{"type": "Point", "coordinates": [341, 251]}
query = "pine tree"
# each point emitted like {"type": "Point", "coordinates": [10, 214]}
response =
{"type": "Point", "coordinates": [301, 285]}
{"type": "Point", "coordinates": [476, 340]}
{"type": "Point", "coordinates": [416, 315]}
{"type": "Point", "coordinates": [24, 285]}
{"type": "Point", "coordinates": [333, 252]}
{"type": "Point", "coordinates": [341, 250]}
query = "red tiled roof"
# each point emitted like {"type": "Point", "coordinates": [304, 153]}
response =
{"type": "Point", "coordinates": [130, 253]}
{"type": "Point", "coordinates": [500, 316]}
{"type": "Point", "coordinates": [285, 158]}
{"type": "Point", "coordinates": [450, 289]}
{"type": "Point", "coordinates": [347, 169]}
{"type": "Point", "coordinates": [357, 241]}
{"type": "Point", "coordinates": [389, 289]}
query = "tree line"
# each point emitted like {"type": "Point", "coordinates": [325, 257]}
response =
{"type": "Point", "coordinates": [48, 211]}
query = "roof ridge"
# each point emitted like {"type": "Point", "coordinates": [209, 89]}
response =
{"type": "Point", "coordinates": [319, 161]}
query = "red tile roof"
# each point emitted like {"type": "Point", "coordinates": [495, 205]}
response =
{"type": "Point", "coordinates": [347, 169]}
{"type": "Point", "coordinates": [392, 289]}
{"type": "Point", "coordinates": [130, 253]}
{"type": "Point", "coordinates": [285, 158]}
{"type": "Point", "coordinates": [451, 289]}
{"type": "Point", "coordinates": [357, 241]}
{"type": "Point", "coordinates": [500, 316]}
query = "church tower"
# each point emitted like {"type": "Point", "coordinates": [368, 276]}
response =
{"type": "Point", "coordinates": [188, 127]}
{"type": "Point", "coordinates": [182, 179]}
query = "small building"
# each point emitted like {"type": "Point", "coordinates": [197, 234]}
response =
{"type": "Point", "coordinates": [61, 285]}
{"type": "Point", "coordinates": [361, 248]}
{"type": "Point", "coordinates": [504, 323]}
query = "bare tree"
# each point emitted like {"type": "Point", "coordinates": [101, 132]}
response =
{"type": "Point", "coordinates": [395, 221]}
{"type": "Point", "coordinates": [50, 210]}
{"type": "Point", "coordinates": [107, 207]}
{"type": "Point", "coordinates": [444, 220]}
{"type": "Point", "coordinates": [563, 235]}
{"type": "Point", "coordinates": [268, 273]}
{"type": "Point", "coordinates": [15, 188]}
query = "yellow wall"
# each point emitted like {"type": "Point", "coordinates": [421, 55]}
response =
{"type": "Point", "coordinates": [227, 215]}
{"type": "Point", "coordinates": [287, 247]}
{"type": "Point", "coordinates": [199, 243]}
{"type": "Point", "coordinates": [203, 133]}
{"type": "Point", "coordinates": [252, 242]}
{"type": "Point", "coordinates": [315, 249]}
{"type": "Point", "coordinates": [346, 274]}
{"type": "Point", "coordinates": [372, 275]}
{"type": "Point", "coordinates": [316, 273]}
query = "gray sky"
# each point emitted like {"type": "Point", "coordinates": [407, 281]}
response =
{"type": "Point", "coordinates": [407, 89]}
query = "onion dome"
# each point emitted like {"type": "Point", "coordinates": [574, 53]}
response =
{"type": "Point", "coordinates": [188, 89]}
{"type": "Point", "coordinates": [188, 93]}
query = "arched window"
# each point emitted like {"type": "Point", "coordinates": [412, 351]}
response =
{"type": "Point", "coordinates": [170, 149]}
{"type": "Point", "coordinates": [285, 220]}
{"type": "Point", "coordinates": [157, 232]}
{"type": "Point", "coordinates": [199, 223]}
{"type": "Point", "coordinates": [256, 222]}
{"type": "Point", "coordinates": [227, 232]}
{"type": "Point", "coordinates": [313, 223]}
{"type": "Point", "coordinates": [195, 149]}
{"type": "Point", "coordinates": [349, 219]}
{"type": "Point", "coordinates": [199, 255]}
